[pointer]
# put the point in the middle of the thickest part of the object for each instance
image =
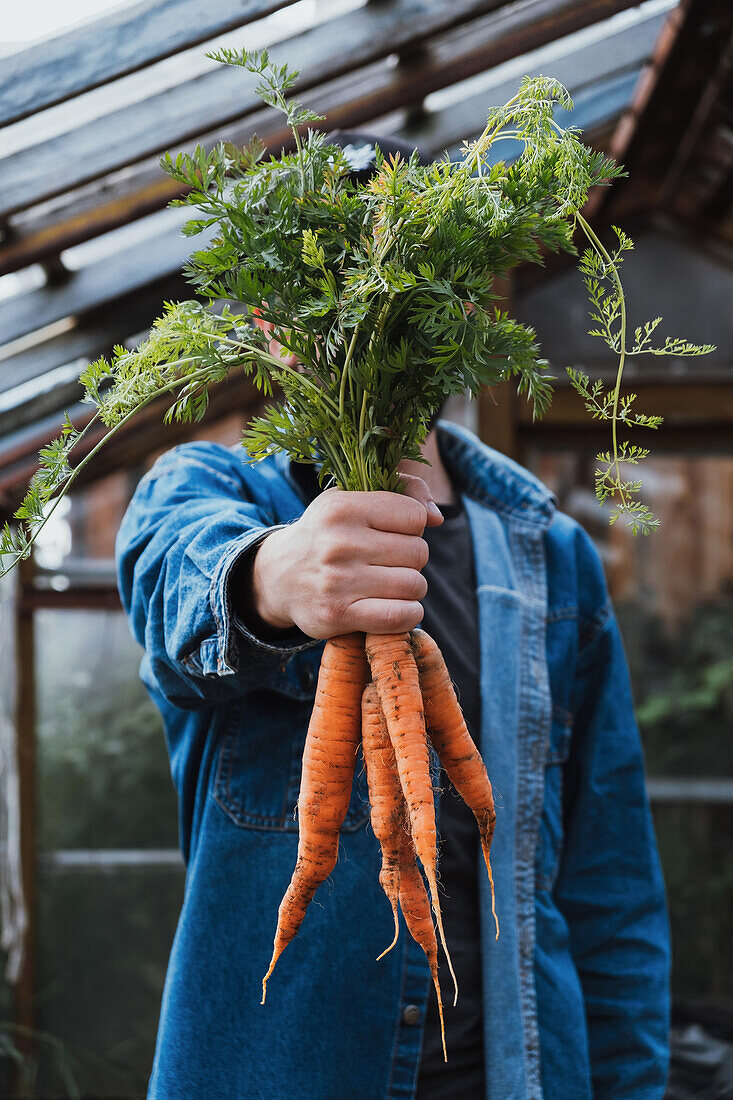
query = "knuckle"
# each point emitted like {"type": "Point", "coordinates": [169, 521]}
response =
{"type": "Point", "coordinates": [335, 507]}
{"type": "Point", "coordinates": [335, 579]}
{"type": "Point", "coordinates": [393, 618]}
{"type": "Point", "coordinates": [416, 514]}
{"type": "Point", "coordinates": [419, 586]}
{"type": "Point", "coordinates": [331, 558]}
{"type": "Point", "coordinates": [333, 614]}
{"type": "Point", "coordinates": [416, 615]}
{"type": "Point", "coordinates": [421, 553]}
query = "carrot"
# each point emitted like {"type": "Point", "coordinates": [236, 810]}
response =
{"type": "Point", "coordinates": [454, 745]}
{"type": "Point", "coordinates": [415, 906]}
{"type": "Point", "coordinates": [400, 878]}
{"type": "Point", "coordinates": [394, 673]}
{"type": "Point", "coordinates": [385, 798]}
{"type": "Point", "coordinates": [329, 758]}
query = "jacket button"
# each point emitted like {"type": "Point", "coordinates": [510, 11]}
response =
{"type": "Point", "coordinates": [411, 1015]}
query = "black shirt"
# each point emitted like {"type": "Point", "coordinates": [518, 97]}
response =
{"type": "Point", "coordinates": [451, 618]}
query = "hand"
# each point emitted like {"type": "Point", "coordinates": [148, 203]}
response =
{"type": "Point", "coordinates": [351, 562]}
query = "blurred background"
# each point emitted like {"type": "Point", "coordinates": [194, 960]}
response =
{"type": "Point", "coordinates": [90, 94]}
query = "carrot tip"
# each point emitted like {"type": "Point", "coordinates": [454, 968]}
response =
{"type": "Point", "coordinates": [433, 884]}
{"type": "Point", "coordinates": [493, 897]}
{"type": "Point", "coordinates": [275, 956]}
{"type": "Point", "coordinates": [440, 1012]}
{"type": "Point", "coordinates": [396, 934]}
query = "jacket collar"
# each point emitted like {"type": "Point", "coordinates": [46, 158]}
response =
{"type": "Point", "coordinates": [477, 470]}
{"type": "Point", "coordinates": [491, 478]}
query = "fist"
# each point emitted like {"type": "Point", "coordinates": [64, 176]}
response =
{"type": "Point", "coordinates": [351, 562]}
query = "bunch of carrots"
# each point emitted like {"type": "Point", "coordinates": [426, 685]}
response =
{"type": "Point", "coordinates": [391, 694]}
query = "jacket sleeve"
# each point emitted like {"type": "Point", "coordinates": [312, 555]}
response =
{"type": "Point", "coordinates": [610, 885]}
{"type": "Point", "coordinates": [191, 520]}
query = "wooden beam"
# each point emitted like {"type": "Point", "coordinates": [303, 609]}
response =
{"type": "Point", "coordinates": [678, 402]}
{"type": "Point", "coordinates": [94, 285]}
{"type": "Point", "coordinates": [351, 101]}
{"type": "Point", "coordinates": [86, 598]}
{"type": "Point", "coordinates": [668, 39]}
{"type": "Point", "coordinates": [708, 438]}
{"type": "Point", "coordinates": [594, 107]}
{"type": "Point", "coordinates": [668, 98]}
{"type": "Point", "coordinates": [100, 330]}
{"type": "Point", "coordinates": [113, 46]}
{"type": "Point", "coordinates": [712, 92]}
{"type": "Point", "coordinates": [145, 435]}
{"type": "Point", "coordinates": [85, 212]}
{"type": "Point", "coordinates": [61, 161]}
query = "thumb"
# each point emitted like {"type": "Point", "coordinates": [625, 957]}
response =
{"type": "Point", "coordinates": [418, 489]}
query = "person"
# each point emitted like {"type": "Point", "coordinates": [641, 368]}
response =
{"type": "Point", "coordinates": [232, 575]}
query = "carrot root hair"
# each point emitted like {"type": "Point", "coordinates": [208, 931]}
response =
{"type": "Point", "coordinates": [395, 914]}
{"type": "Point", "coordinates": [435, 901]}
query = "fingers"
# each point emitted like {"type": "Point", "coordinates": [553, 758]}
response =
{"type": "Point", "coordinates": [376, 616]}
{"type": "Point", "coordinates": [406, 551]}
{"type": "Point", "coordinates": [276, 348]}
{"type": "Point", "coordinates": [393, 584]}
{"type": "Point", "coordinates": [402, 514]}
{"type": "Point", "coordinates": [407, 513]}
{"type": "Point", "coordinates": [418, 489]}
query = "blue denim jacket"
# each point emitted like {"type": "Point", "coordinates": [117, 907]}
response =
{"type": "Point", "coordinates": [575, 989]}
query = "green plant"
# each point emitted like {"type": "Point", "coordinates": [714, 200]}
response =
{"type": "Point", "coordinates": [385, 293]}
{"type": "Point", "coordinates": [63, 1064]}
{"type": "Point", "coordinates": [600, 270]}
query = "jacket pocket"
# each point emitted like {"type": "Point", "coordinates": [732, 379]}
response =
{"type": "Point", "coordinates": [551, 826]}
{"type": "Point", "coordinates": [258, 770]}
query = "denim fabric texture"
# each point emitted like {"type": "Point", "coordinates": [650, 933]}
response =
{"type": "Point", "coordinates": [576, 987]}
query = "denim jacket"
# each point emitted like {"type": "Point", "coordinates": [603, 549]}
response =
{"type": "Point", "coordinates": [576, 987]}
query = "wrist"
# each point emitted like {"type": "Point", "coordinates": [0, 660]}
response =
{"type": "Point", "coordinates": [267, 591]}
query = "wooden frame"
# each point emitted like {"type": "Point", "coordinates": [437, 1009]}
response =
{"type": "Point", "coordinates": [134, 186]}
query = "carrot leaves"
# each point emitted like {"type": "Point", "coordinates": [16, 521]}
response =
{"type": "Point", "coordinates": [386, 293]}
{"type": "Point", "coordinates": [600, 271]}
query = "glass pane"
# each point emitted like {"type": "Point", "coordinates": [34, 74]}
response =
{"type": "Point", "coordinates": [696, 846]}
{"type": "Point", "coordinates": [104, 939]}
{"type": "Point", "coordinates": [673, 593]}
{"type": "Point", "coordinates": [103, 776]}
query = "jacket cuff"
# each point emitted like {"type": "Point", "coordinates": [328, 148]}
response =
{"type": "Point", "coordinates": [234, 637]}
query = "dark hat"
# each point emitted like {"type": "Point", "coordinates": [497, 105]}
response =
{"type": "Point", "coordinates": [359, 148]}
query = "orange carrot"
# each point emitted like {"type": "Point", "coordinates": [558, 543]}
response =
{"type": "Point", "coordinates": [395, 674]}
{"type": "Point", "coordinates": [329, 758]}
{"type": "Point", "coordinates": [385, 798]}
{"type": "Point", "coordinates": [400, 878]}
{"type": "Point", "coordinates": [415, 907]}
{"type": "Point", "coordinates": [454, 745]}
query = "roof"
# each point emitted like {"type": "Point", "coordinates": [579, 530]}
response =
{"type": "Point", "coordinates": [89, 251]}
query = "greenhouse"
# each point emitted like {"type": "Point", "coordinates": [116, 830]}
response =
{"type": "Point", "coordinates": [92, 879]}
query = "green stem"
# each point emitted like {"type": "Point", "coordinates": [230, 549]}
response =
{"type": "Point", "coordinates": [105, 439]}
{"type": "Point", "coordinates": [332, 455]}
{"type": "Point", "coordinates": [606, 257]}
{"type": "Point", "coordinates": [345, 371]}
